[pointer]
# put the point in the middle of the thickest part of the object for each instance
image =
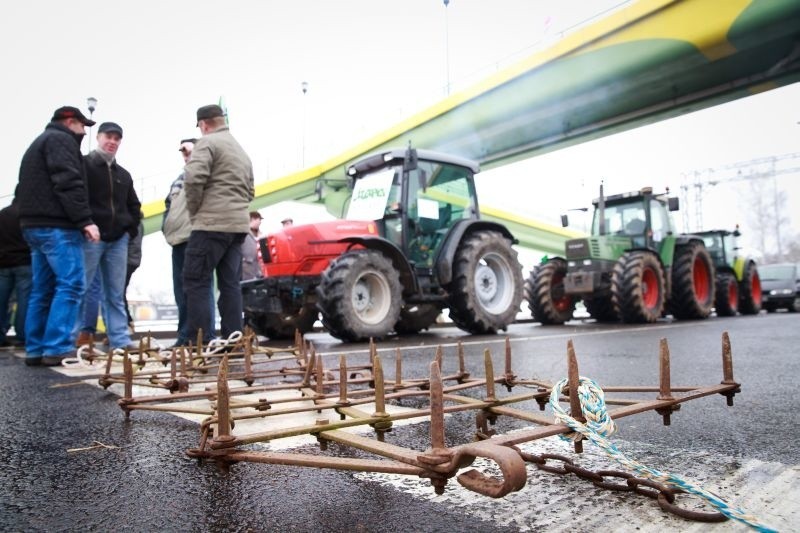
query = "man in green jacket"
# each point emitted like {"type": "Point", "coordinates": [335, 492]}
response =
{"type": "Point", "coordinates": [219, 187]}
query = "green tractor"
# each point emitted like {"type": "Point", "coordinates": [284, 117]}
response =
{"type": "Point", "coordinates": [633, 267]}
{"type": "Point", "coordinates": [738, 282]}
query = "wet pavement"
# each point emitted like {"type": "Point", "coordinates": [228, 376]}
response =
{"type": "Point", "coordinates": [149, 484]}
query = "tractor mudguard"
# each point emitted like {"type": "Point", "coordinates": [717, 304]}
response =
{"type": "Point", "coordinates": [444, 261]}
{"type": "Point", "coordinates": [390, 250]}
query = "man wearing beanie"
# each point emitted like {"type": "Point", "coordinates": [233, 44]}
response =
{"type": "Point", "coordinates": [116, 210]}
{"type": "Point", "coordinates": [219, 187]}
{"type": "Point", "coordinates": [55, 218]}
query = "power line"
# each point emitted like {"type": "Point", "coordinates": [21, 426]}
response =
{"type": "Point", "coordinates": [696, 181]}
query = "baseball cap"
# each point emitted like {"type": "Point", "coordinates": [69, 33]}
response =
{"type": "Point", "coordinates": [255, 214]}
{"type": "Point", "coordinates": [68, 111]}
{"type": "Point", "coordinates": [209, 111]}
{"type": "Point", "coordinates": [110, 127]}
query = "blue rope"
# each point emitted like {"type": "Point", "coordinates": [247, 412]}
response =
{"type": "Point", "coordinates": [599, 425]}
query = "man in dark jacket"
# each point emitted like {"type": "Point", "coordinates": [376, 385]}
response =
{"type": "Point", "coordinates": [15, 273]}
{"type": "Point", "coordinates": [176, 228]}
{"type": "Point", "coordinates": [116, 210]}
{"type": "Point", "coordinates": [55, 219]}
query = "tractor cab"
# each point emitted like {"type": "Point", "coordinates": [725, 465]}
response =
{"type": "Point", "coordinates": [641, 217]}
{"type": "Point", "coordinates": [722, 245]}
{"type": "Point", "coordinates": [416, 203]}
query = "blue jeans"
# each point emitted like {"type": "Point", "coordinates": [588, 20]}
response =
{"type": "Point", "coordinates": [178, 254]}
{"type": "Point", "coordinates": [91, 305]}
{"type": "Point", "coordinates": [207, 252]}
{"type": "Point", "coordinates": [110, 259]}
{"type": "Point", "coordinates": [11, 278]}
{"type": "Point", "coordinates": [58, 286]}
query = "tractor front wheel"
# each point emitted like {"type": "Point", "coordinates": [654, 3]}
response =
{"type": "Point", "coordinates": [544, 290]}
{"type": "Point", "coordinates": [727, 299]}
{"type": "Point", "coordinates": [486, 290]}
{"type": "Point", "coordinates": [692, 282]}
{"type": "Point", "coordinates": [637, 287]}
{"type": "Point", "coordinates": [601, 308]}
{"type": "Point", "coordinates": [750, 291]}
{"type": "Point", "coordinates": [359, 296]}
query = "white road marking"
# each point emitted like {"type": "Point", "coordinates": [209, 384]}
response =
{"type": "Point", "coordinates": [550, 502]}
{"type": "Point", "coordinates": [501, 339]}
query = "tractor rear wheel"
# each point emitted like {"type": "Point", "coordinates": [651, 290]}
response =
{"type": "Point", "coordinates": [692, 282]}
{"type": "Point", "coordinates": [544, 290]}
{"type": "Point", "coordinates": [601, 308]}
{"type": "Point", "coordinates": [637, 287]}
{"type": "Point", "coordinates": [750, 290]}
{"type": "Point", "coordinates": [415, 318]}
{"type": "Point", "coordinates": [486, 290]}
{"type": "Point", "coordinates": [726, 301]}
{"type": "Point", "coordinates": [359, 296]}
{"type": "Point", "coordinates": [277, 327]}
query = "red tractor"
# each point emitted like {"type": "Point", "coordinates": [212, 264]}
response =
{"type": "Point", "coordinates": [412, 245]}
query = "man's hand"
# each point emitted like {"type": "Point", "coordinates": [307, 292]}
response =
{"type": "Point", "coordinates": [91, 232]}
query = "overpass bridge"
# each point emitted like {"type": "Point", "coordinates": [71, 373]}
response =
{"type": "Point", "coordinates": [652, 60]}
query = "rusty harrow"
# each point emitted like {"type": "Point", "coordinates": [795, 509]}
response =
{"type": "Point", "coordinates": [177, 370]}
{"type": "Point", "coordinates": [341, 401]}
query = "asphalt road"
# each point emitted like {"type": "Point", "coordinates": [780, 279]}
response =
{"type": "Point", "coordinates": [745, 453]}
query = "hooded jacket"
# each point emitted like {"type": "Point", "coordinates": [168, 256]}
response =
{"type": "Point", "coordinates": [176, 225]}
{"type": "Point", "coordinates": [52, 183]}
{"type": "Point", "coordinates": [115, 206]}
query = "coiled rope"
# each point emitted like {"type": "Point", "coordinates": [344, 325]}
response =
{"type": "Point", "coordinates": [215, 346]}
{"type": "Point", "coordinates": [599, 425]}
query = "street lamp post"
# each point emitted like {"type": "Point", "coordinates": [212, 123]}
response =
{"type": "Point", "coordinates": [91, 104]}
{"type": "Point", "coordinates": [447, 48]}
{"type": "Point", "coordinates": [304, 86]}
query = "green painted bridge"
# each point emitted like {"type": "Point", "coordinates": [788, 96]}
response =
{"type": "Point", "coordinates": [652, 60]}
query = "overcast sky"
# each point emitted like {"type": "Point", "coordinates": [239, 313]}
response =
{"type": "Point", "coordinates": [368, 64]}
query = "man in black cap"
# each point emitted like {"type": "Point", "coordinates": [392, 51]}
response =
{"type": "Point", "coordinates": [55, 218]}
{"type": "Point", "coordinates": [116, 210]}
{"type": "Point", "coordinates": [219, 186]}
{"type": "Point", "coordinates": [176, 228]}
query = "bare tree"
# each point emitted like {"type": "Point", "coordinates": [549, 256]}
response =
{"type": "Point", "coordinates": [767, 217]}
{"type": "Point", "coordinates": [758, 214]}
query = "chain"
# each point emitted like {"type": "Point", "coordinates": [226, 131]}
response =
{"type": "Point", "coordinates": [663, 494]}
{"type": "Point", "coordinates": [599, 425]}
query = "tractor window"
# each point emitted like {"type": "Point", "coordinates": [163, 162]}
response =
{"type": "Point", "coordinates": [714, 245]}
{"type": "Point", "coordinates": [729, 245]}
{"type": "Point", "coordinates": [447, 196]}
{"type": "Point", "coordinates": [370, 195]}
{"type": "Point", "coordinates": [627, 219]}
{"type": "Point", "coordinates": [659, 220]}
{"type": "Point", "coordinates": [391, 226]}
